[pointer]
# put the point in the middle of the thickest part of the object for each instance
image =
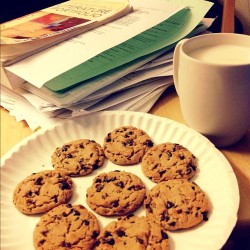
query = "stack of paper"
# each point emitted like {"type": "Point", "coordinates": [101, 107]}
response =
{"type": "Point", "coordinates": [123, 65]}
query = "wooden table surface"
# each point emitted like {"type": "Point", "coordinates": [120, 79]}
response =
{"type": "Point", "coordinates": [168, 106]}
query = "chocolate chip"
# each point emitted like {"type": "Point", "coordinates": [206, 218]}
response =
{"type": "Point", "coordinates": [95, 166]}
{"type": "Point", "coordinates": [108, 137]}
{"type": "Point", "coordinates": [86, 222]}
{"type": "Point", "coordinates": [205, 216]}
{"type": "Point", "coordinates": [95, 234]}
{"type": "Point", "coordinates": [120, 233]}
{"type": "Point", "coordinates": [44, 233]}
{"type": "Point", "coordinates": [67, 244]}
{"type": "Point", "coordinates": [172, 224]}
{"type": "Point", "coordinates": [29, 194]}
{"type": "Point", "coordinates": [179, 211]}
{"type": "Point", "coordinates": [129, 216]}
{"type": "Point", "coordinates": [164, 217]}
{"type": "Point", "coordinates": [176, 147]}
{"type": "Point", "coordinates": [179, 172]}
{"type": "Point", "coordinates": [111, 179]}
{"type": "Point", "coordinates": [164, 235]}
{"type": "Point", "coordinates": [41, 242]}
{"type": "Point", "coordinates": [148, 207]}
{"type": "Point", "coordinates": [193, 167]}
{"type": "Point", "coordinates": [39, 181]}
{"type": "Point", "coordinates": [65, 185]}
{"type": "Point", "coordinates": [169, 204]}
{"type": "Point", "coordinates": [107, 234]}
{"type": "Point", "coordinates": [115, 203]}
{"type": "Point", "coordinates": [133, 187]}
{"type": "Point", "coordinates": [162, 173]}
{"type": "Point", "coordinates": [110, 241]}
{"type": "Point", "coordinates": [97, 243]}
{"type": "Point", "coordinates": [182, 157]}
{"type": "Point", "coordinates": [169, 154]}
{"type": "Point", "coordinates": [149, 143]}
{"type": "Point", "coordinates": [99, 188]}
{"type": "Point", "coordinates": [120, 184]}
{"type": "Point", "coordinates": [65, 148]}
{"type": "Point", "coordinates": [69, 156]}
{"type": "Point", "coordinates": [141, 241]}
{"type": "Point", "coordinates": [55, 199]}
{"type": "Point", "coordinates": [76, 213]}
{"type": "Point", "coordinates": [98, 180]}
{"type": "Point", "coordinates": [130, 142]}
{"type": "Point", "coordinates": [29, 202]}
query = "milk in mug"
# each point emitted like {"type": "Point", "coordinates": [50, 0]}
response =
{"type": "Point", "coordinates": [222, 54]}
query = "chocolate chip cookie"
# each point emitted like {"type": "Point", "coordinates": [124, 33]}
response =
{"type": "Point", "coordinates": [115, 193]}
{"type": "Point", "coordinates": [42, 191]}
{"type": "Point", "coordinates": [66, 227]}
{"type": "Point", "coordinates": [177, 204]}
{"type": "Point", "coordinates": [126, 145]}
{"type": "Point", "coordinates": [132, 232]}
{"type": "Point", "coordinates": [79, 157]}
{"type": "Point", "coordinates": [168, 161]}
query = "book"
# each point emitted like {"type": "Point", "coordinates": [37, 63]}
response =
{"type": "Point", "coordinates": [24, 36]}
{"type": "Point", "coordinates": [113, 80]}
{"type": "Point", "coordinates": [150, 27]}
{"type": "Point", "coordinates": [76, 86]}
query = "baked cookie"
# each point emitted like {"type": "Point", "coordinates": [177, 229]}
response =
{"type": "Point", "coordinates": [79, 157]}
{"type": "Point", "coordinates": [177, 204]}
{"type": "Point", "coordinates": [168, 161]}
{"type": "Point", "coordinates": [132, 232]}
{"type": "Point", "coordinates": [66, 227]}
{"type": "Point", "coordinates": [42, 191]}
{"type": "Point", "coordinates": [126, 145]}
{"type": "Point", "coordinates": [115, 193]}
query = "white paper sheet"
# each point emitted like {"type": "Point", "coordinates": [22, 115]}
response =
{"type": "Point", "coordinates": [77, 50]}
{"type": "Point", "coordinates": [22, 109]}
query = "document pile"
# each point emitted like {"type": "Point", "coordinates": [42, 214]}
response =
{"type": "Point", "coordinates": [123, 65]}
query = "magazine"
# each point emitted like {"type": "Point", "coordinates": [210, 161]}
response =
{"type": "Point", "coordinates": [32, 33]}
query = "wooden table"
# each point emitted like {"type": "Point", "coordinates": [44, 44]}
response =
{"type": "Point", "coordinates": [167, 106]}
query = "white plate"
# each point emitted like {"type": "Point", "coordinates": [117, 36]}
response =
{"type": "Point", "coordinates": [215, 176]}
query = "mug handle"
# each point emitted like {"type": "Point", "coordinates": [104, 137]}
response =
{"type": "Point", "coordinates": [176, 62]}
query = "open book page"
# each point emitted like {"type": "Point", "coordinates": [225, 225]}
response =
{"type": "Point", "coordinates": [33, 32]}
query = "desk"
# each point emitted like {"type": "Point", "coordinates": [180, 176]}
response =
{"type": "Point", "coordinates": [167, 106]}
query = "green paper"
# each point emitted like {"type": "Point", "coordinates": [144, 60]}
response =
{"type": "Point", "coordinates": [162, 35]}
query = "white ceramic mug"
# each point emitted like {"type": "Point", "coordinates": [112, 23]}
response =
{"type": "Point", "coordinates": [212, 79]}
